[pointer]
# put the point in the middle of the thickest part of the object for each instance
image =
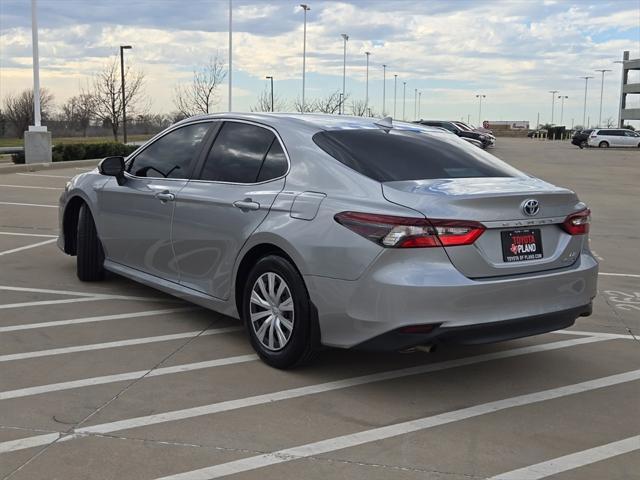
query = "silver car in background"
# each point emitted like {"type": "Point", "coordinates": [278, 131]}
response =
{"type": "Point", "coordinates": [614, 137]}
{"type": "Point", "coordinates": [338, 231]}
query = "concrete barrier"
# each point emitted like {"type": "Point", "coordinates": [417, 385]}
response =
{"type": "Point", "coordinates": [34, 167]}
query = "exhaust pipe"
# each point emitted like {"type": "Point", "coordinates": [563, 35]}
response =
{"type": "Point", "coordinates": [429, 348]}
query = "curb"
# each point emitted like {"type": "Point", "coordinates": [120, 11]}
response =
{"type": "Point", "coordinates": [34, 167]}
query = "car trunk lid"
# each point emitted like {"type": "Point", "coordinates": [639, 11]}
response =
{"type": "Point", "coordinates": [497, 203]}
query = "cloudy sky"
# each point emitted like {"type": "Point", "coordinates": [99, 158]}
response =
{"type": "Point", "coordinates": [514, 52]}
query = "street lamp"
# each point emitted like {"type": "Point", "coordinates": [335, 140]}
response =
{"type": "Point", "coordinates": [384, 89]}
{"type": "Point", "coordinates": [306, 8]}
{"type": "Point", "coordinates": [366, 96]}
{"type": "Point", "coordinates": [124, 103]}
{"type": "Point", "coordinates": [603, 71]}
{"type": "Point", "coordinates": [419, 104]}
{"type": "Point", "coordinates": [345, 37]}
{"type": "Point", "coordinates": [584, 112]}
{"type": "Point", "coordinates": [480, 97]}
{"type": "Point", "coordinates": [415, 104]}
{"type": "Point", "coordinates": [562, 97]}
{"type": "Point", "coordinates": [404, 99]}
{"type": "Point", "coordinates": [395, 95]}
{"type": "Point", "coordinates": [271, 78]}
{"type": "Point", "coordinates": [553, 99]}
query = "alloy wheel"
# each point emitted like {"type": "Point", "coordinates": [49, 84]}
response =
{"type": "Point", "coordinates": [271, 311]}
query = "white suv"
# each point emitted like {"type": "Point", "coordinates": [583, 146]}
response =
{"type": "Point", "coordinates": [614, 137]}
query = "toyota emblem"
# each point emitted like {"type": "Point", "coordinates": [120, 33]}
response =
{"type": "Point", "coordinates": [530, 207]}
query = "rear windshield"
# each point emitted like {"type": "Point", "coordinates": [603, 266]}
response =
{"type": "Point", "coordinates": [406, 155]}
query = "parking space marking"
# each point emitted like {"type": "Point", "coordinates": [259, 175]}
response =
{"type": "Point", "coordinates": [28, 204]}
{"type": "Point", "coordinates": [298, 392]}
{"type": "Point", "coordinates": [28, 234]}
{"type": "Point", "coordinates": [630, 275]}
{"type": "Point", "coordinates": [29, 442]}
{"type": "Point", "coordinates": [40, 303]}
{"type": "Point", "coordinates": [93, 296]}
{"type": "Point", "coordinates": [31, 186]}
{"type": "Point", "coordinates": [27, 247]}
{"type": "Point", "coordinates": [397, 429]}
{"type": "Point", "coordinates": [626, 336]}
{"type": "Point", "coordinates": [43, 175]}
{"type": "Point", "coordinates": [116, 344]}
{"type": "Point", "coordinates": [572, 461]}
{"type": "Point", "coordinates": [101, 318]}
{"type": "Point", "coordinates": [88, 382]}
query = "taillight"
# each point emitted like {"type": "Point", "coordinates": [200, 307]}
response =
{"type": "Point", "coordinates": [409, 232]}
{"type": "Point", "coordinates": [577, 223]}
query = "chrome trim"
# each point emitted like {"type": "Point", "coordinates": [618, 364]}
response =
{"type": "Point", "coordinates": [524, 222]}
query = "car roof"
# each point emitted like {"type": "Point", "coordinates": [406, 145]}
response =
{"type": "Point", "coordinates": [308, 121]}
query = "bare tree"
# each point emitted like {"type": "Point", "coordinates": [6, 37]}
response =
{"type": "Point", "coordinates": [18, 109]}
{"type": "Point", "coordinates": [359, 108]}
{"type": "Point", "coordinates": [263, 104]}
{"type": "Point", "coordinates": [610, 122]}
{"type": "Point", "coordinates": [107, 94]}
{"type": "Point", "coordinates": [77, 112]}
{"type": "Point", "coordinates": [297, 106]}
{"type": "Point", "coordinates": [200, 96]}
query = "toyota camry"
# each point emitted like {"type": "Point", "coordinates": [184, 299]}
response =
{"type": "Point", "coordinates": [339, 231]}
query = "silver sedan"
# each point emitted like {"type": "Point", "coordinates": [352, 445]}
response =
{"type": "Point", "coordinates": [334, 230]}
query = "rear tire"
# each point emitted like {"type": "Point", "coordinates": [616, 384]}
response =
{"type": "Point", "coordinates": [275, 294]}
{"type": "Point", "coordinates": [603, 145]}
{"type": "Point", "coordinates": [90, 255]}
{"type": "Point", "coordinates": [583, 144]}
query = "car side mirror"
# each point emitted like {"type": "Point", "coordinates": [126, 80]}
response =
{"type": "Point", "coordinates": [113, 167]}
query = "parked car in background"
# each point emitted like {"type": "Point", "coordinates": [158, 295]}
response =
{"type": "Point", "coordinates": [614, 137]}
{"type": "Point", "coordinates": [471, 128]}
{"type": "Point", "coordinates": [487, 140]}
{"type": "Point", "coordinates": [580, 138]}
{"type": "Point", "coordinates": [336, 230]}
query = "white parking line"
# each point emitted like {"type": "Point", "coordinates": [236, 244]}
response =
{"type": "Point", "coordinates": [630, 275]}
{"type": "Point", "coordinates": [626, 336]}
{"type": "Point", "coordinates": [119, 377]}
{"type": "Point", "coordinates": [43, 175]}
{"type": "Point", "coordinates": [572, 461]}
{"type": "Point", "coordinates": [119, 343]}
{"type": "Point", "coordinates": [293, 393]}
{"type": "Point", "coordinates": [31, 186]}
{"type": "Point", "coordinates": [28, 204]}
{"type": "Point", "coordinates": [27, 247]}
{"type": "Point", "coordinates": [102, 318]}
{"type": "Point", "coordinates": [394, 430]}
{"type": "Point", "coordinates": [40, 303]}
{"type": "Point", "coordinates": [28, 234]}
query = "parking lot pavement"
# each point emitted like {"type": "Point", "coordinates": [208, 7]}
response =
{"type": "Point", "coordinates": [114, 380]}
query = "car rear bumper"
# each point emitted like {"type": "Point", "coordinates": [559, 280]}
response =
{"type": "Point", "coordinates": [409, 288]}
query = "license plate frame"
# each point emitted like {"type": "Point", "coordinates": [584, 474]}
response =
{"type": "Point", "coordinates": [521, 245]}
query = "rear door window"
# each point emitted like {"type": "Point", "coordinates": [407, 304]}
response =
{"type": "Point", "coordinates": [238, 154]}
{"type": "Point", "coordinates": [404, 155]}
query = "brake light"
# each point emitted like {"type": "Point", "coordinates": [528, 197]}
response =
{"type": "Point", "coordinates": [577, 223]}
{"type": "Point", "coordinates": [409, 232]}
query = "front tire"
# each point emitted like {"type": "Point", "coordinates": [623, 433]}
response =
{"type": "Point", "coordinates": [278, 313]}
{"type": "Point", "coordinates": [90, 256]}
{"type": "Point", "coordinates": [603, 145]}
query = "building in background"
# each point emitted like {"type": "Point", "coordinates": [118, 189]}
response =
{"type": "Point", "coordinates": [627, 88]}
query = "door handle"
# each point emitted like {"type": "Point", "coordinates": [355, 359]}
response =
{"type": "Point", "coordinates": [246, 204]}
{"type": "Point", "coordinates": [165, 197]}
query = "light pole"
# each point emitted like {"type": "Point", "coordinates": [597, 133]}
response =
{"type": "Point", "coordinates": [415, 104]}
{"type": "Point", "coordinates": [562, 99]}
{"type": "Point", "coordinates": [395, 94]}
{"type": "Point", "coordinates": [480, 97]}
{"type": "Point", "coordinates": [384, 89]}
{"type": "Point", "coordinates": [366, 96]}
{"type": "Point", "coordinates": [404, 99]}
{"type": "Point", "coordinates": [36, 65]}
{"type": "Point", "coordinates": [553, 99]}
{"type": "Point", "coordinates": [124, 102]}
{"type": "Point", "coordinates": [345, 37]}
{"type": "Point", "coordinates": [584, 111]}
{"type": "Point", "coordinates": [271, 78]}
{"type": "Point", "coordinates": [419, 104]}
{"type": "Point", "coordinates": [603, 71]}
{"type": "Point", "coordinates": [306, 8]}
{"type": "Point", "coordinates": [230, 53]}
